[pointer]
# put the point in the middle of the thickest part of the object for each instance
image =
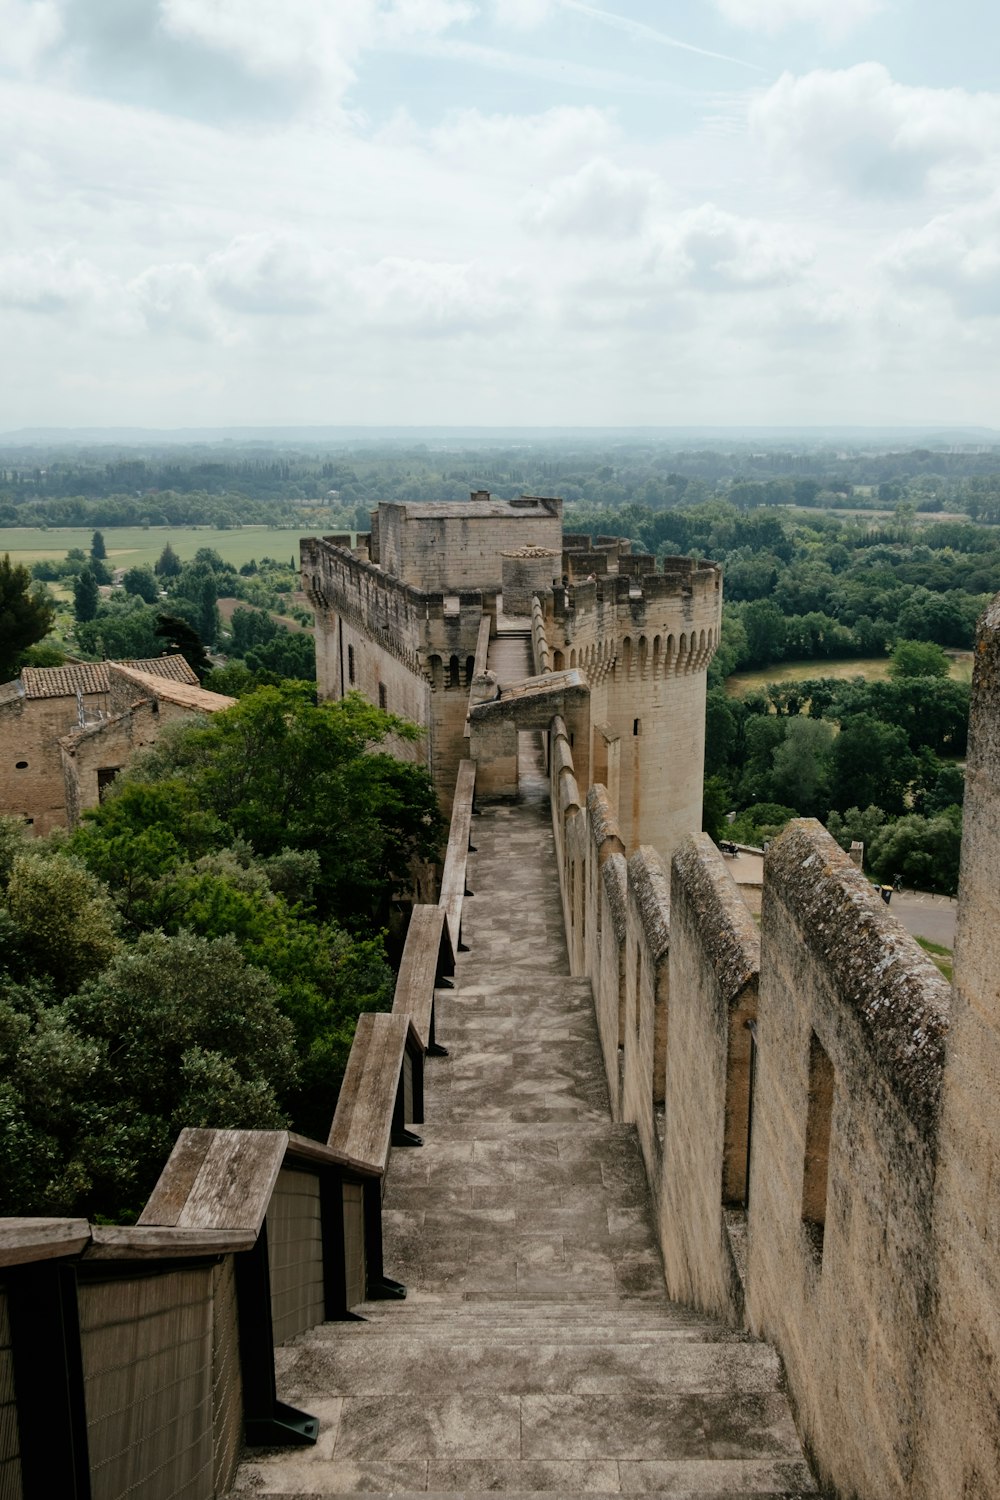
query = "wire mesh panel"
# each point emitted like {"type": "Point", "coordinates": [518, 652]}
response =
{"type": "Point", "coordinates": [147, 1364]}
{"type": "Point", "coordinates": [295, 1253]}
{"type": "Point", "coordinates": [355, 1273]}
{"type": "Point", "coordinates": [10, 1457]}
{"type": "Point", "coordinates": [227, 1384]}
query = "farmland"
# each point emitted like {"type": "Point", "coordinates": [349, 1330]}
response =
{"type": "Point", "coordinates": [131, 546]}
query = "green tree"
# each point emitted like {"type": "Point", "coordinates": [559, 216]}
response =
{"type": "Point", "coordinates": [98, 551]}
{"type": "Point", "coordinates": [176, 1031]}
{"type": "Point", "coordinates": [924, 851]}
{"type": "Point", "coordinates": [65, 922]}
{"type": "Point", "coordinates": [918, 659]}
{"type": "Point", "coordinates": [25, 616]}
{"type": "Point", "coordinates": [801, 764]}
{"type": "Point", "coordinates": [208, 614]}
{"type": "Point", "coordinates": [765, 631]}
{"type": "Point", "coordinates": [168, 564]}
{"type": "Point", "coordinates": [283, 772]}
{"type": "Point", "coordinates": [871, 763]}
{"type": "Point", "coordinates": [141, 581]}
{"type": "Point", "coordinates": [123, 630]}
{"type": "Point", "coordinates": [85, 597]}
{"type": "Point", "coordinates": [177, 635]}
{"type": "Point", "coordinates": [715, 804]}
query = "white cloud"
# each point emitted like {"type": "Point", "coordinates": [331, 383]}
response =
{"type": "Point", "coordinates": [311, 39]}
{"type": "Point", "coordinates": [859, 129]}
{"type": "Point", "coordinates": [173, 299]}
{"type": "Point", "coordinates": [433, 298]}
{"type": "Point", "coordinates": [522, 15]}
{"type": "Point", "coordinates": [28, 28]}
{"type": "Point", "coordinates": [957, 254]}
{"type": "Point", "coordinates": [717, 250]}
{"type": "Point", "coordinates": [298, 37]}
{"type": "Point", "coordinates": [271, 273]}
{"type": "Point", "coordinates": [600, 200]}
{"type": "Point", "coordinates": [834, 16]}
{"type": "Point", "coordinates": [555, 141]}
{"type": "Point", "coordinates": [50, 281]}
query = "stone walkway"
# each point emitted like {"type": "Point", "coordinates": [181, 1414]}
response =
{"type": "Point", "coordinates": [536, 1350]}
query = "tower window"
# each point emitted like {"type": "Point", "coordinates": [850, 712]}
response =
{"type": "Point", "coordinates": [383, 697]}
{"type": "Point", "coordinates": [350, 664]}
{"type": "Point", "coordinates": [637, 727]}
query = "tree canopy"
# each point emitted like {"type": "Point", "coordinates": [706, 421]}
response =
{"type": "Point", "coordinates": [24, 616]}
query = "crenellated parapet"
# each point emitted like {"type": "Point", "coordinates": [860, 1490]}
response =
{"type": "Point", "coordinates": [639, 623]}
{"type": "Point", "coordinates": [423, 631]}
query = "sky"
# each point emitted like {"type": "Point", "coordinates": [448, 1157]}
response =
{"type": "Point", "coordinates": [499, 212]}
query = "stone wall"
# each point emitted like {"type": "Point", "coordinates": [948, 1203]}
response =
{"type": "Point", "coordinates": [31, 778]}
{"type": "Point", "coordinates": [446, 547]}
{"type": "Point", "coordinates": [846, 1101]}
{"type": "Point", "coordinates": [827, 1245]}
{"type": "Point", "coordinates": [714, 969]}
{"type": "Point", "coordinates": [960, 1429]}
{"type": "Point", "coordinates": [105, 747]}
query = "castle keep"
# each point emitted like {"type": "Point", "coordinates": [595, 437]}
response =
{"type": "Point", "coordinates": [490, 597]}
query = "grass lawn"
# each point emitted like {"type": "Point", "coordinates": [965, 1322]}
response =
{"type": "Point", "coordinates": [131, 545]}
{"type": "Point", "coordinates": [873, 668]}
{"type": "Point", "coordinates": [942, 956]}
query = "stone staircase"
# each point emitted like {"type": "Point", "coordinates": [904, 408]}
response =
{"type": "Point", "coordinates": [510, 653]}
{"type": "Point", "coordinates": [536, 1350]}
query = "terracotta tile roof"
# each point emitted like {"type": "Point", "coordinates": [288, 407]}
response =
{"type": "Point", "coordinates": [182, 693]}
{"type": "Point", "coordinates": [93, 677]}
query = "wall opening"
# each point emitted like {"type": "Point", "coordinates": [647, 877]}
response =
{"type": "Point", "coordinates": [20, 765]}
{"type": "Point", "coordinates": [636, 727]}
{"type": "Point", "coordinates": [350, 664]}
{"type": "Point", "coordinates": [453, 673]}
{"type": "Point", "coordinates": [816, 1168]}
{"type": "Point", "coordinates": [383, 696]}
{"type": "Point", "coordinates": [105, 776]}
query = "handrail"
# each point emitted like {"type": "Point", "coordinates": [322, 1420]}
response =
{"type": "Point", "coordinates": [427, 959]}
{"type": "Point", "coordinates": [453, 878]}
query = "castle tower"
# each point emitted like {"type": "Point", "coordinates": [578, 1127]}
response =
{"type": "Point", "coordinates": [644, 639]}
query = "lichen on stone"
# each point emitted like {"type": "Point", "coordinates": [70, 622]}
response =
{"type": "Point", "coordinates": [876, 968]}
{"type": "Point", "coordinates": [650, 888]}
{"type": "Point", "coordinates": [727, 932]}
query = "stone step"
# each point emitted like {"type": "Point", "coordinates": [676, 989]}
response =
{"type": "Point", "coordinates": [362, 1367]}
{"type": "Point", "coordinates": [732, 1486]}
{"type": "Point", "coordinates": [698, 1479]}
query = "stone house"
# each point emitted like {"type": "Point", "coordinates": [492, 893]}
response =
{"type": "Point", "coordinates": [65, 731]}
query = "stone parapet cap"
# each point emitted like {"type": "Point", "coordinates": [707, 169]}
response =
{"type": "Point", "coordinates": [901, 1000]}
{"type": "Point", "coordinates": [728, 933]}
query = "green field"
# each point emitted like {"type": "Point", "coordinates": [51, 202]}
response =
{"type": "Point", "coordinates": [131, 545]}
{"type": "Point", "coordinates": [872, 668]}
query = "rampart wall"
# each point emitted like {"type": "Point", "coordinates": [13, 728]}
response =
{"type": "Point", "coordinates": [787, 1094]}
{"type": "Point", "coordinates": [406, 650]}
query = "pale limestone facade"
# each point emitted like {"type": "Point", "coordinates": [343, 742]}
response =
{"type": "Point", "coordinates": [41, 707]}
{"type": "Point", "coordinates": [400, 619]}
{"type": "Point", "coordinates": [817, 1113]}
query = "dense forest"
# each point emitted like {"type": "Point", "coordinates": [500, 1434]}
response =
{"type": "Point", "coordinates": [198, 950]}
{"type": "Point", "coordinates": [232, 484]}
